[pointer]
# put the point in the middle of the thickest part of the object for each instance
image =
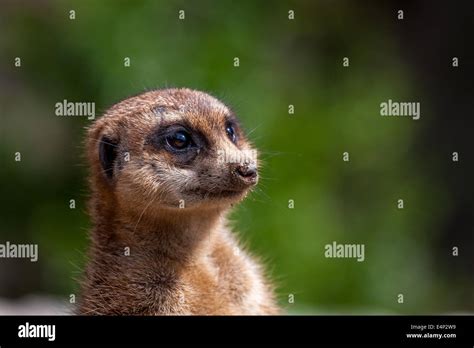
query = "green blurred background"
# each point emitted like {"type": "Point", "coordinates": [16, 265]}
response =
{"type": "Point", "coordinates": [282, 62]}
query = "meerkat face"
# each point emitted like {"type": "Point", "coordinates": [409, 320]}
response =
{"type": "Point", "coordinates": [176, 149]}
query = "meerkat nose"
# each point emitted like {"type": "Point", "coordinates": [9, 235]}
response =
{"type": "Point", "coordinates": [247, 171]}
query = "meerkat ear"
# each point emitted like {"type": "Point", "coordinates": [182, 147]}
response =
{"type": "Point", "coordinates": [107, 155]}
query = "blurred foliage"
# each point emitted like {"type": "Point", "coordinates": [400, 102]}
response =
{"type": "Point", "coordinates": [282, 62]}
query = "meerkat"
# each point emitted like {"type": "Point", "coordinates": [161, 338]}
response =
{"type": "Point", "coordinates": [160, 192]}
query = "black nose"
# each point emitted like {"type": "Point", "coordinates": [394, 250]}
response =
{"type": "Point", "coordinates": [247, 171]}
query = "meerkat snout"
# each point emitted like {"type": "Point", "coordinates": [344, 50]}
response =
{"type": "Point", "coordinates": [247, 171]}
{"type": "Point", "coordinates": [246, 174]}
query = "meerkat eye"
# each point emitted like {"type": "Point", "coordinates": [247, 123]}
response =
{"type": "Point", "coordinates": [179, 140]}
{"type": "Point", "coordinates": [229, 129]}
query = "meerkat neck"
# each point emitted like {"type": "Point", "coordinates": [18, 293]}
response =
{"type": "Point", "coordinates": [178, 234]}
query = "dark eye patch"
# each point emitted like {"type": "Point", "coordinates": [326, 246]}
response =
{"type": "Point", "coordinates": [233, 122]}
{"type": "Point", "coordinates": [231, 132]}
{"type": "Point", "coordinates": [180, 140]}
{"type": "Point", "coordinates": [108, 155]}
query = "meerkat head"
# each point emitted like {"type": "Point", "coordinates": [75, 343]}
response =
{"type": "Point", "coordinates": [172, 149]}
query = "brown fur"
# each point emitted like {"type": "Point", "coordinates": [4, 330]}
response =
{"type": "Point", "coordinates": [182, 261]}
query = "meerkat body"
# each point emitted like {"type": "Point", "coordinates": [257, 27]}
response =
{"type": "Point", "coordinates": [160, 194]}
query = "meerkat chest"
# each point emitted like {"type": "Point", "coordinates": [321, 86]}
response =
{"type": "Point", "coordinates": [220, 285]}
